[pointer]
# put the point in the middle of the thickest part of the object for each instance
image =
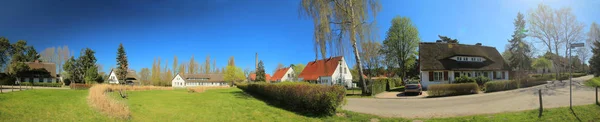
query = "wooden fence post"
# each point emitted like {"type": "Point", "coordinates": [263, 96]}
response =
{"type": "Point", "coordinates": [597, 96]}
{"type": "Point", "coordinates": [541, 105]}
{"type": "Point", "coordinates": [12, 87]}
{"type": "Point", "coordinates": [1, 88]}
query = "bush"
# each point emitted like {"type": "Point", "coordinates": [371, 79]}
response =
{"type": "Point", "coordinates": [299, 97]}
{"type": "Point", "coordinates": [42, 84]}
{"type": "Point", "coordinates": [533, 81]}
{"type": "Point", "coordinates": [464, 79]}
{"type": "Point", "coordinates": [377, 86]}
{"type": "Point", "coordinates": [438, 90]}
{"type": "Point", "coordinates": [482, 80]}
{"type": "Point", "coordinates": [397, 82]}
{"type": "Point", "coordinates": [501, 85]}
{"type": "Point", "coordinates": [80, 86]}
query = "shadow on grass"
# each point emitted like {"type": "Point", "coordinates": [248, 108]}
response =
{"type": "Point", "coordinates": [574, 114]}
{"type": "Point", "coordinates": [399, 89]}
{"type": "Point", "coordinates": [245, 95]}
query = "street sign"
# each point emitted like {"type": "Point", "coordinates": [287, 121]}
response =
{"type": "Point", "coordinates": [576, 45]}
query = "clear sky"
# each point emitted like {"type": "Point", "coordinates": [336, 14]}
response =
{"type": "Point", "coordinates": [272, 28]}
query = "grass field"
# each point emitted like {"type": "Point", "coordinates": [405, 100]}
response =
{"type": "Point", "coordinates": [216, 105]}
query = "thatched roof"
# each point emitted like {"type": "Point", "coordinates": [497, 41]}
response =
{"type": "Point", "coordinates": [436, 56]}
{"type": "Point", "coordinates": [202, 77]}
{"type": "Point", "coordinates": [48, 66]}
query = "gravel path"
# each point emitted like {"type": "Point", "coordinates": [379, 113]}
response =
{"type": "Point", "coordinates": [554, 95]}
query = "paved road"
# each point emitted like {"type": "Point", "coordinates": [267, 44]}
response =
{"type": "Point", "coordinates": [554, 95]}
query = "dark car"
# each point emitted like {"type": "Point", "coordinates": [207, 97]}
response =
{"type": "Point", "coordinates": [413, 86]}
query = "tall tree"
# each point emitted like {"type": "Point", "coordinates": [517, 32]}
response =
{"type": "Point", "coordinates": [260, 72]}
{"type": "Point", "coordinates": [156, 78]}
{"type": "Point", "coordinates": [214, 65]}
{"type": "Point", "coordinates": [192, 66]}
{"type": "Point", "coordinates": [371, 54]}
{"type": "Point", "coordinates": [87, 63]}
{"type": "Point", "coordinates": [181, 68]}
{"type": "Point", "coordinates": [123, 65]}
{"type": "Point", "coordinates": [400, 45]}
{"type": "Point", "coordinates": [336, 21]}
{"type": "Point", "coordinates": [47, 55]}
{"type": "Point", "coordinates": [231, 61]}
{"type": "Point", "coordinates": [175, 70]}
{"type": "Point", "coordinates": [5, 51]}
{"type": "Point", "coordinates": [233, 74]}
{"type": "Point", "coordinates": [595, 60]}
{"type": "Point", "coordinates": [207, 65]}
{"type": "Point", "coordinates": [593, 35]}
{"type": "Point", "coordinates": [145, 76]}
{"type": "Point", "coordinates": [518, 47]}
{"type": "Point", "coordinates": [554, 29]}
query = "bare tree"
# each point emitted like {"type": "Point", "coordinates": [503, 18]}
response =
{"type": "Point", "coordinates": [371, 54]}
{"type": "Point", "coordinates": [339, 23]}
{"type": "Point", "coordinates": [554, 29]}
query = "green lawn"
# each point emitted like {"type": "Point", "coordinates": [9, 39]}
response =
{"type": "Point", "coordinates": [593, 82]}
{"type": "Point", "coordinates": [47, 105]}
{"type": "Point", "coordinates": [216, 105]}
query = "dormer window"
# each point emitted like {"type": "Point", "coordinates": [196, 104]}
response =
{"type": "Point", "coordinates": [468, 59]}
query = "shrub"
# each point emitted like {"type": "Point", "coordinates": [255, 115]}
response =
{"type": "Point", "coordinates": [377, 86]}
{"type": "Point", "coordinates": [299, 97]}
{"type": "Point", "coordinates": [528, 82]}
{"type": "Point", "coordinates": [397, 82]}
{"type": "Point", "coordinates": [501, 85]}
{"type": "Point", "coordinates": [80, 86]}
{"type": "Point", "coordinates": [464, 79]}
{"type": "Point", "coordinates": [482, 80]}
{"type": "Point", "coordinates": [42, 84]}
{"type": "Point", "coordinates": [438, 90]}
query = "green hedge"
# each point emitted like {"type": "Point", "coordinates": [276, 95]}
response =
{"type": "Point", "coordinates": [501, 85]}
{"type": "Point", "coordinates": [397, 82]}
{"type": "Point", "coordinates": [42, 84]}
{"type": "Point", "coordinates": [439, 90]}
{"type": "Point", "coordinates": [299, 97]}
{"type": "Point", "coordinates": [464, 79]}
{"type": "Point", "coordinates": [377, 86]}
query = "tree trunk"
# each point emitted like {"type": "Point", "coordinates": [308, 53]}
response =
{"type": "Point", "coordinates": [358, 62]}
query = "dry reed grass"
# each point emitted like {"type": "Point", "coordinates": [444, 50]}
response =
{"type": "Point", "coordinates": [200, 89]}
{"type": "Point", "coordinates": [100, 100]}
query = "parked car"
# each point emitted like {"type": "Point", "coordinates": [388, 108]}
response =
{"type": "Point", "coordinates": [413, 86]}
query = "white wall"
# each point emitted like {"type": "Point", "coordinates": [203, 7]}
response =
{"type": "Point", "coordinates": [177, 81]}
{"type": "Point", "coordinates": [285, 76]}
{"type": "Point", "coordinates": [345, 75]}
{"type": "Point", "coordinates": [425, 79]}
{"type": "Point", "coordinates": [112, 78]}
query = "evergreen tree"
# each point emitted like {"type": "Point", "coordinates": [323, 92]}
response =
{"type": "Point", "coordinates": [595, 60]}
{"type": "Point", "coordinates": [123, 64]}
{"type": "Point", "coordinates": [518, 47]}
{"type": "Point", "coordinates": [260, 72]}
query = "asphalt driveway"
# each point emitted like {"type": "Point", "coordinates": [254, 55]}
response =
{"type": "Point", "coordinates": [554, 95]}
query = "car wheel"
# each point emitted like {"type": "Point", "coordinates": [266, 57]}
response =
{"type": "Point", "coordinates": [420, 93]}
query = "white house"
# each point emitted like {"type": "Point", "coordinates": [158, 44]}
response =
{"type": "Point", "coordinates": [283, 74]}
{"type": "Point", "coordinates": [442, 63]}
{"type": "Point", "coordinates": [191, 80]}
{"type": "Point", "coordinates": [330, 71]}
{"type": "Point", "coordinates": [131, 78]}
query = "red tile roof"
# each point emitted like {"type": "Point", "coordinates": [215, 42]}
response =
{"type": "Point", "coordinates": [279, 74]}
{"type": "Point", "coordinates": [253, 76]}
{"type": "Point", "coordinates": [324, 67]}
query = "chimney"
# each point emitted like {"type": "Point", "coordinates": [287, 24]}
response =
{"type": "Point", "coordinates": [256, 62]}
{"type": "Point", "coordinates": [478, 44]}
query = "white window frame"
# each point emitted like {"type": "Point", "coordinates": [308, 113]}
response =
{"type": "Point", "coordinates": [438, 76]}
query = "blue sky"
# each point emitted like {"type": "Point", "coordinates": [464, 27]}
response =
{"type": "Point", "coordinates": [223, 28]}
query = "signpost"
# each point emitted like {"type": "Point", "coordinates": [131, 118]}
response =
{"type": "Point", "coordinates": [571, 46]}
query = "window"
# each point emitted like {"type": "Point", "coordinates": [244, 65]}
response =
{"type": "Point", "coordinates": [498, 75]}
{"type": "Point", "coordinates": [437, 76]}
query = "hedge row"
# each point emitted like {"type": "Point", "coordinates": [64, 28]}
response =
{"type": "Point", "coordinates": [501, 85]}
{"type": "Point", "coordinates": [396, 82]}
{"type": "Point", "coordinates": [42, 84]}
{"type": "Point", "coordinates": [80, 86]}
{"type": "Point", "coordinates": [299, 97]}
{"type": "Point", "coordinates": [377, 86]}
{"type": "Point", "coordinates": [439, 90]}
